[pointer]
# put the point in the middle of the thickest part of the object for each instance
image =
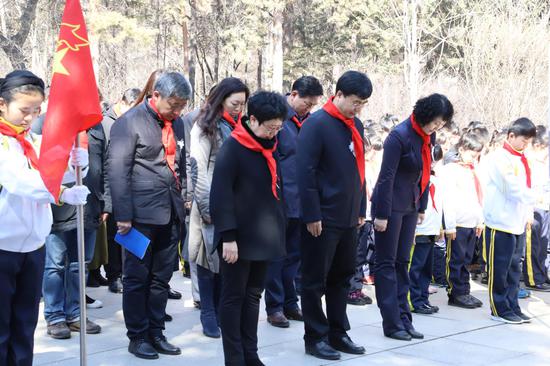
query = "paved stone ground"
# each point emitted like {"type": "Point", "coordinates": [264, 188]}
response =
{"type": "Point", "coordinates": [453, 337]}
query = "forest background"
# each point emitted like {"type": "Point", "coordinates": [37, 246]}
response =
{"type": "Point", "coordinates": [490, 57]}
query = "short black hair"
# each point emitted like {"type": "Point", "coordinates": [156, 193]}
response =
{"type": "Point", "coordinates": [542, 137]}
{"type": "Point", "coordinates": [522, 127]}
{"type": "Point", "coordinates": [130, 95]}
{"type": "Point", "coordinates": [266, 106]}
{"type": "Point", "coordinates": [471, 141]}
{"type": "Point", "coordinates": [451, 127]}
{"type": "Point", "coordinates": [308, 86]}
{"type": "Point", "coordinates": [354, 83]}
{"type": "Point", "coordinates": [431, 107]}
{"type": "Point", "coordinates": [479, 129]}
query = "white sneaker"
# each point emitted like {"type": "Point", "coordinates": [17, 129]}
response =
{"type": "Point", "coordinates": [92, 303]}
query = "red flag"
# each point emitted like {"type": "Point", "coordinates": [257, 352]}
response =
{"type": "Point", "coordinates": [73, 104]}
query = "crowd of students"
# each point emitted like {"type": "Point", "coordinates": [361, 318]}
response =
{"type": "Point", "coordinates": [260, 191]}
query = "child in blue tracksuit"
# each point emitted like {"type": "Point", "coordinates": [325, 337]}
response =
{"type": "Point", "coordinates": [508, 209]}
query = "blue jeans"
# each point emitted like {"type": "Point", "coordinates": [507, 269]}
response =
{"type": "Point", "coordinates": [60, 286]}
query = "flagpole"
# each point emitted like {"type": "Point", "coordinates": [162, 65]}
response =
{"type": "Point", "coordinates": [81, 267]}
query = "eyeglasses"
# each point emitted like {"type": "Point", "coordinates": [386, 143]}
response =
{"type": "Point", "coordinates": [273, 129]}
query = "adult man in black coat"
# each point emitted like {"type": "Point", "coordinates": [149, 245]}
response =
{"type": "Point", "coordinates": [144, 164]}
{"type": "Point", "coordinates": [331, 172]}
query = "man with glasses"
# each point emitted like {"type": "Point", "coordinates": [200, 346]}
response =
{"type": "Point", "coordinates": [144, 162]}
{"type": "Point", "coordinates": [331, 182]}
{"type": "Point", "coordinates": [281, 300]}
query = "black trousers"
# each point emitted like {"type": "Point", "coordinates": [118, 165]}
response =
{"type": "Point", "coordinates": [145, 282]}
{"type": "Point", "coordinates": [363, 245]}
{"type": "Point", "coordinates": [504, 253]}
{"type": "Point", "coordinates": [536, 250]}
{"type": "Point", "coordinates": [420, 270]}
{"type": "Point", "coordinates": [242, 286]}
{"type": "Point", "coordinates": [459, 255]}
{"type": "Point", "coordinates": [113, 269]}
{"type": "Point", "coordinates": [440, 257]}
{"type": "Point", "coordinates": [328, 263]}
{"type": "Point", "coordinates": [391, 271]}
{"type": "Point", "coordinates": [280, 288]}
{"type": "Point", "coordinates": [20, 289]}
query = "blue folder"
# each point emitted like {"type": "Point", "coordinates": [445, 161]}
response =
{"type": "Point", "coordinates": [134, 241]}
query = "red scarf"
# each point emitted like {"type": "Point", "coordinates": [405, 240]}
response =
{"type": "Point", "coordinates": [356, 137]}
{"type": "Point", "coordinates": [524, 161]}
{"type": "Point", "coordinates": [168, 141]}
{"type": "Point", "coordinates": [226, 116]}
{"type": "Point", "coordinates": [28, 149]}
{"type": "Point", "coordinates": [426, 155]}
{"type": "Point", "coordinates": [297, 122]}
{"type": "Point", "coordinates": [476, 181]}
{"type": "Point", "coordinates": [432, 195]}
{"type": "Point", "coordinates": [244, 138]}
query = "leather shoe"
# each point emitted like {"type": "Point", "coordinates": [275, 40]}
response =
{"type": "Point", "coordinates": [462, 301]}
{"type": "Point", "coordinates": [115, 286]}
{"type": "Point", "coordinates": [168, 318]}
{"type": "Point", "coordinates": [346, 345]}
{"type": "Point", "coordinates": [173, 294]}
{"type": "Point", "coordinates": [400, 335]}
{"type": "Point", "coordinates": [423, 310]}
{"type": "Point", "coordinates": [278, 320]}
{"type": "Point", "coordinates": [476, 301]}
{"type": "Point", "coordinates": [415, 334]}
{"type": "Point", "coordinates": [295, 314]}
{"type": "Point", "coordinates": [253, 362]}
{"type": "Point", "coordinates": [163, 346]}
{"type": "Point", "coordinates": [142, 349]}
{"type": "Point", "coordinates": [323, 351]}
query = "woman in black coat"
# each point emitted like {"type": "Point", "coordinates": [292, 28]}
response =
{"type": "Point", "coordinates": [249, 221]}
{"type": "Point", "coordinates": [399, 200]}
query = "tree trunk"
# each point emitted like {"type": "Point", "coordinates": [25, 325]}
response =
{"type": "Point", "coordinates": [13, 45]}
{"type": "Point", "coordinates": [259, 71]}
{"type": "Point", "coordinates": [277, 36]}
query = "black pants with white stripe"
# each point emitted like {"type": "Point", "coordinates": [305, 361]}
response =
{"type": "Point", "coordinates": [504, 251]}
{"type": "Point", "coordinates": [534, 266]}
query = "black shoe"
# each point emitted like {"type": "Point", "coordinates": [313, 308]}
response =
{"type": "Point", "coordinates": [168, 318]}
{"type": "Point", "coordinates": [424, 310]}
{"type": "Point", "coordinates": [95, 278]}
{"type": "Point", "coordinates": [476, 301]}
{"type": "Point", "coordinates": [210, 327]}
{"type": "Point", "coordinates": [163, 346]}
{"type": "Point", "coordinates": [143, 349]}
{"type": "Point", "coordinates": [323, 351]}
{"type": "Point", "coordinates": [115, 286]}
{"type": "Point", "coordinates": [197, 304]}
{"type": "Point", "coordinates": [278, 320]}
{"type": "Point", "coordinates": [462, 301]}
{"type": "Point", "coordinates": [508, 319]}
{"type": "Point", "coordinates": [346, 345]}
{"type": "Point", "coordinates": [543, 287]}
{"type": "Point", "coordinates": [295, 314]}
{"type": "Point", "coordinates": [400, 335]}
{"type": "Point", "coordinates": [415, 334]}
{"type": "Point", "coordinates": [173, 294]}
{"type": "Point", "coordinates": [253, 362]}
{"type": "Point", "coordinates": [435, 309]}
{"type": "Point", "coordinates": [524, 318]}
